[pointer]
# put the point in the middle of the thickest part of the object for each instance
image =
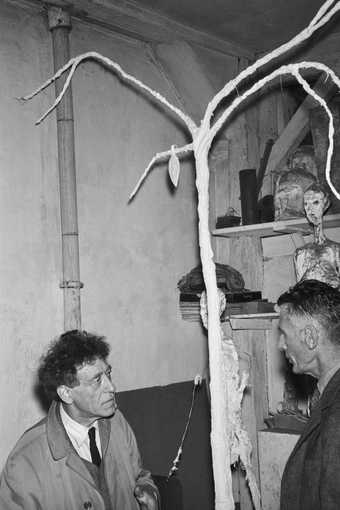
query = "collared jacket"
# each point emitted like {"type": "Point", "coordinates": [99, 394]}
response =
{"type": "Point", "coordinates": [311, 479]}
{"type": "Point", "coordinates": [44, 472]}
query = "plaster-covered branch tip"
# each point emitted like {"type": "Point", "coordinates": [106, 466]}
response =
{"type": "Point", "coordinates": [294, 70]}
{"type": "Point", "coordinates": [73, 63]}
{"type": "Point", "coordinates": [159, 157]}
{"type": "Point", "coordinates": [198, 380]}
{"type": "Point", "coordinates": [324, 14]}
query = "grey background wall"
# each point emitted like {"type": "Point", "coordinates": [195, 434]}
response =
{"type": "Point", "coordinates": [131, 256]}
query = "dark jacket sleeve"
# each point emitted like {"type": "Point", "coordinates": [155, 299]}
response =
{"type": "Point", "coordinates": [330, 458]}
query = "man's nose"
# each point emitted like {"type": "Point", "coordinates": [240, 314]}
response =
{"type": "Point", "coordinates": [281, 344]}
{"type": "Point", "coordinates": [109, 384]}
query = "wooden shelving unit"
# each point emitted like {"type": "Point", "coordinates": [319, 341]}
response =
{"type": "Point", "coordinates": [274, 228]}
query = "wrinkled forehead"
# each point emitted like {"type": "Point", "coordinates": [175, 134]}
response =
{"type": "Point", "coordinates": [92, 365]}
{"type": "Point", "coordinates": [287, 316]}
{"type": "Point", "coordinates": [292, 319]}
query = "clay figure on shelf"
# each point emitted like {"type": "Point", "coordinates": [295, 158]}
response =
{"type": "Point", "coordinates": [292, 183]}
{"type": "Point", "coordinates": [320, 259]}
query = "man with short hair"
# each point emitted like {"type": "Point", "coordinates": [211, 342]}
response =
{"type": "Point", "coordinates": [309, 329]}
{"type": "Point", "coordinates": [84, 453]}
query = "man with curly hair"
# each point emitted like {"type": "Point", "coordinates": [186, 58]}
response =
{"type": "Point", "coordinates": [84, 453]}
{"type": "Point", "coordinates": [309, 329]}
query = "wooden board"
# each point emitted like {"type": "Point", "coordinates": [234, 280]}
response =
{"type": "Point", "coordinates": [298, 126]}
{"type": "Point", "coordinates": [276, 227]}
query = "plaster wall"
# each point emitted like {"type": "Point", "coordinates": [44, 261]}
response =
{"type": "Point", "coordinates": [30, 300]}
{"type": "Point", "coordinates": [131, 255]}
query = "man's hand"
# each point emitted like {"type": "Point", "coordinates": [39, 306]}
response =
{"type": "Point", "coordinates": [146, 496]}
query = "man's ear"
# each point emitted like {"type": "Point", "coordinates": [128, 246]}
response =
{"type": "Point", "coordinates": [311, 336]}
{"type": "Point", "coordinates": [65, 394]}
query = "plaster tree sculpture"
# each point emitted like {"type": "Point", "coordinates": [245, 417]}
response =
{"type": "Point", "coordinates": [320, 259]}
{"type": "Point", "coordinates": [202, 137]}
{"type": "Point", "coordinates": [240, 445]}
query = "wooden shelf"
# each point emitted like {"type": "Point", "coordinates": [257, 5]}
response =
{"type": "Point", "coordinates": [244, 321]}
{"type": "Point", "coordinates": [275, 228]}
{"type": "Point", "coordinates": [262, 321]}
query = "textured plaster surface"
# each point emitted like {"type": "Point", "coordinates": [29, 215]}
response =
{"type": "Point", "coordinates": [30, 301]}
{"type": "Point", "coordinates": [131, 256]}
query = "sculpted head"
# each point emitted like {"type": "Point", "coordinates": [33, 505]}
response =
{"type": "Point", "coordinates": [316, 201]}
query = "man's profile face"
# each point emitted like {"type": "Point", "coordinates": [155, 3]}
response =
{"type": "Point", "coordinates": [315, 203]}
{"type": "Point", "coordinates": [291, 341]}
{"type": "Point", "coordinates": [94, 396]}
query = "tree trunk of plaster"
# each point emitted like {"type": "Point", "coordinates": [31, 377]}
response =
{"type": "Point", "coordinates": [60, 25]}
{"type": "Point", "coordinates": [219, 416]}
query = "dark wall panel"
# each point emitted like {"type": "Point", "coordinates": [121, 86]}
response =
{"type": "Point", "coordinates": [158, 416]}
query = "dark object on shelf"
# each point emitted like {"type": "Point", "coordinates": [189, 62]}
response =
{"type": "Point", "coordinates": [263, 164]}
{"type": "Point", "coordinates": [190, 297]}
{"type": "Point", "coordinates": [230, 296]}
{"type": "Point", "coordinates": [249, 307]}
{"type": "Point", "coordinates": [243, 296]}
{"type": "Point", "coordinates": [228, 279]}
{"type": "Point", "coordinates": [238, 303]}
{"type": "Point", "coordinates": [228, 220]}
{"type": "Point", "coordinates": [293, 422]}
{"type": "Point", "coordinates": [170, 491]}
{"type": "Point", "coordinates": [266, 209]}
{"type": "Point", "coordinates": [248, 195]}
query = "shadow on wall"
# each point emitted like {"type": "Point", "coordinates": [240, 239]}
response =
{"type": "Point", "coordinates": [41, 397]}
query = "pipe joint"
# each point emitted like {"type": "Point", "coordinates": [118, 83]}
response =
{"type": "Point", "coordinates": [71, 284]}
{"type": "Point", "coordinates": [58, 18]}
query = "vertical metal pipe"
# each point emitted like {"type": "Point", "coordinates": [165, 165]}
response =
{"type": "Point", "coordinates": [60, 26]}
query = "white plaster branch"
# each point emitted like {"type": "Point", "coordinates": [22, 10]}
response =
{"type": "Point", "coordinates": [73, 63]}
{"type": "Point", "coordinates": [320, 19]}
{"type": "Point", "coordinates": [292, 69]}
{"type": "Point", "coordinates": [220, 375]}
{"type": "Point", "coordinates": [330, 149]}
{"type": "Point", "coordinates": [159, 156]}
{"type": "Point", "coordinates": [323, 9]}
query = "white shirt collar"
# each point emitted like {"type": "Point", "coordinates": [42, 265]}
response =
{"type": "Point", "coordinates": [76, 431]}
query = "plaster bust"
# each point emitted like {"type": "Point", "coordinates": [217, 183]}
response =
{"type": "Point", "coordinates": [291, 185]}
{"type": "Point", "coordinates": [320, 259]}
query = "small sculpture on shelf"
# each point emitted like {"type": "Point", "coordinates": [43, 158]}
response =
{"type": "Point", "coordinates": [320, 259]}
{"type": "Point", "coordinates": [292, 183]}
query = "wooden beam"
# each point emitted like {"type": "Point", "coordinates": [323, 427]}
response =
{"type": "Point", "coordinates": [153, 26]}
{"type": "Point", "coordinates": [298, 126]}
{"type": "Point", "coordinates": [129, 18]}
